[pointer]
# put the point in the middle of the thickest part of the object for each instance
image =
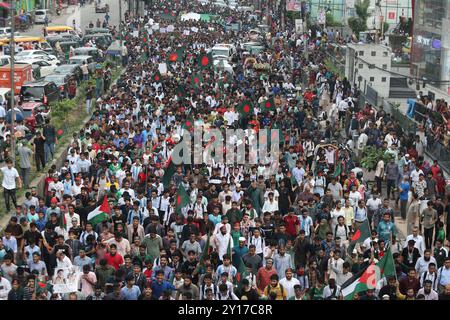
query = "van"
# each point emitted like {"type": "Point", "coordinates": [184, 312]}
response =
{"type": "Point", "coordinates": [41, 15]}
{"type": "Point", "coordinates": [89, 51]}
{"type": "Point", "coordinates": [223, 49]}
{"type": "Point", "coordinates": [40, 91]}
{"type": "Point", "coordinates": [80, 60]}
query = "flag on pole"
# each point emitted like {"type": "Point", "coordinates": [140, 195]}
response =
{"type": "Point", "coordinates": [205, 252]}
{"type": "Point", "coordinates": [188, 124]}
{"type": "Point", "coordinates": [369, 277]}
{"type": "Point", "coordinates": [157, 77]}
{"type": "Point", "coordinates": [267, 105]}
{"type": "Point", "coordinates": [100, 213]}
{"type": "Point", "coordinates": [182, 199]}
{"type": "Point", "coordinates": [169, 171]}
{"type": "Point", "coordinates": [245, 108]}
{"type": "Point", "coordinates": [205, 60]}
{"type": "Point", "coordinates": [361, 234]}
{"type": "Point", "coordinates": [197, 80]}
{"type": "Point", "coordinates": [176, 56]}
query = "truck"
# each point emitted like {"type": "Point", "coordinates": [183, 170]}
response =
{"type": "Point", "coordinates": [23, 73]}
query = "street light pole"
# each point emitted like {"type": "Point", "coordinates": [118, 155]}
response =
{"type": "Point", "coordinates": [120, 23]}
{"type": "Point", "coordinates": [13, 110]}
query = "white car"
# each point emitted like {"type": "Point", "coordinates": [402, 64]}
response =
{"type": "Point", "coordinates": [223, 64]}
{"type": "Point", "coordinates": [44, 66]}
{"type": "Point", "coordinates": [30, 54]}
{"type": "Point", "coordinates": [4, 60]}
{"type": "Point", "coordinates": [40, 15]}
{"type": "Point", "coordinates": [6, 32]}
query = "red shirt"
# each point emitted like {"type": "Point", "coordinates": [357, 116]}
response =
{"type": "Point", "coordinates": [263, 276]}
{"type": "Point", "coordinates": [114, 261]}
{"type": "Point", "coordinates": [435, 170]}
{"type": "Point", "coordinates": [291, 222]}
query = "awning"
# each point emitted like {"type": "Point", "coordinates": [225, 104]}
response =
{"type": "Point", "coordinates": [5, 5]}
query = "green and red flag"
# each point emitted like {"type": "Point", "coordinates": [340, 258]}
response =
{"type": "Point", "coordinates": [100, 214]}
{"type": "Point", "coordinates": [145, 38]}
{"type": "Point", "coordinates": [188, 124]}
{"type": "Point", "coordinates": [197, 79]}
{"type": "Point", "coordinates": [181, 90]}
{"type": "Point", "coordinates": [169, 171]}
{"type": "Point", "coordinates": [245, 108]}
{"type": "Point", "coordinates": [267, 105]}
{"type": "Point", "coordinates": [205, 60]}
{"type": "Point", "coordinates": [361, 234]}
{"type": "Point", "coordinates": [369, 277]}
{"type": "Point", "coordinates": [182, 200]}
{"type": "Point", "coordinates": [157, 76]}
{"type": "Point", "coordinates": [176, 56]}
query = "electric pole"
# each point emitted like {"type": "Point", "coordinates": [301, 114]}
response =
{"type": "Point", "coordinates": [13, 110]}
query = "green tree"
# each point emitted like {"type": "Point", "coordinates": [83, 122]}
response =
{"type": "Point", "coordinates": [331, 22]}
{"type": "Point", "coordinates": [359, 23]}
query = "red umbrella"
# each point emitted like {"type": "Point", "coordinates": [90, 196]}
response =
{"type": "Point", "coordinates": [5, 5]}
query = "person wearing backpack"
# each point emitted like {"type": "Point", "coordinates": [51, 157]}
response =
{"type": "Point", "coordinates": [275, 287]}
{"type": "Point", "coordinates": [208, 284]}
{"type": "Point", "coordinates": [332, 291]}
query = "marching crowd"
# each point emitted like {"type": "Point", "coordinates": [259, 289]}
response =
{"type": "Point", "coordinates": [245, 232]}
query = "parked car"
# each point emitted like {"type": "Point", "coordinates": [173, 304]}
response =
{"type": "Point", "coordinates": [45, 68]}
{"type": "Point", "coordinates": [40, 91]}
{"type": "Point", "coordinates": [31, 54]}
{"type": "Point", "coordinates": [6, 32]}
{"type": "Point", "coordinates": [61, 81]}
{"type": "Point", "coordinates": [101, 9]}
{"type": "Point", "coordinates": [96, 31]}
{"type": "Point", "coordinates": [80, 60]}
{"type": "Point", "coordinates": [102, 40]}
{"type": "Point", "coordinates": [97, 54]}
{"type": "Point", "coordinates": [40, 16]}
{"type": "Point", "coordinates": [72, 70]}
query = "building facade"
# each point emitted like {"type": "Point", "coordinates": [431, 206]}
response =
{"type": "Point", "coordinates": [430, 59]}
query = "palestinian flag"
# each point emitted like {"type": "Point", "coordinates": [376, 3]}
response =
{"type": "Point", "coordinates": [169, 171]}
{"type": "Point", "coordinates": [245, 108]}
{"type": "Point", "coordinates": [188, 123]}
{"type": "Point", "coordinates": [267, 105]}
{"type": "Point", "coordinates": [369, 277]}
{"type": "Point", "coordinates": [197, 79]}
{"type": "Point", "coordinates": [361, 234]}
{"type": "Point", "coordinates": [100, 213]}
{"type": "Point", "coordinates": [157, 77]}
{"type": "Point", "coordinates": [182, 199]}
{"type": "Point", "coordinates": [205, 60]}
{"type": "Point", "coordinates": [176, 56]}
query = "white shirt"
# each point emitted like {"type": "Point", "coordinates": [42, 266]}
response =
{"type": "Point", "coordinates": [415, 175]}
{"type": "Point", "coordinates": [270, 206]}
{"type": "Point", "coordinates": [5, 287]}
{"type": "Point", "coordinates": [289, 285]}
{"type": "Point", "coordinates": [222, 243]}
{"type": "Point", "coordinates": [422, 265]}
{"type": "Point", "coordinates": [65, 263]}
{"type": "Point", "coordinates": [9, 178]}
{"type": "Point", "coordinates": [420, 244]}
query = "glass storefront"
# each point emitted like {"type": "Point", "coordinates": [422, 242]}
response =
{"type": "Point", "coordinates": [431, 43]}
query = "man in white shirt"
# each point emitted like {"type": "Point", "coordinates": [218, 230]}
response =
{"type": "Point", "coordinates": [428, 292]}
{"type": "Point", "coordinates": [222, 240]}
{"type": "Point", "coordinates": [5, 287]}
{"type": "Point", "coordinates": [419, 241]}
{"type": "Point", "coordinates": [10, 176]}
{"type": "Point", "coordinates": [288, 283]}
{"type": "Point", "coordinates": [270, 205]}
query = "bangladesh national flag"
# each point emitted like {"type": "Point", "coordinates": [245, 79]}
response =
{"type": "Point", "coordinates": [181, 90]}
{"type": "Point", "coordinates": [268, 105]}
{"type": "Point", "coordinates": [168, 173]}
{"type": "Point", "coordinates": [241, 269]}
{"type": "Point", "coordinates": [176, 56]}
{"type": "Point", "coordinates": [246, 108]}
{"type": "Point", "coordinates": [182, 199]}
{"type": "Point", "coordinates": [188, 123]}
{"type": "Point", "coordinates": [361, 234]}
{"type": "Point", "coordinates": [157, 77]}
{"type": "Point", "coordinates": [100, 213]}
{"type": "Point", "coordinates": [369, 277]}
{"type": "Point", "coordinates": [145, 38]}
{"type": "Point", "coordinates": [197, 79]}
{"type": "Point", "coordinates": [205, 60]}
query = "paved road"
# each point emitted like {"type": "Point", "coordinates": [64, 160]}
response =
{"type": "Point", "coordinates": [82, 15]}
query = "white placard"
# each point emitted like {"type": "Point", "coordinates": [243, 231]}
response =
{"type": "Point", "coordinates": [135, 34]}
{"type": "Point", "coordinates": [155, 26]}
{"type": "Point", "coordinates": [162, 30]}
{"type": "Point", "coordinates": [194, 29]}
{"type": "Point", "coordinates": [170, 28]}
{"type": "Point", "coordinates": [186, 32]}
{"type": "Point", "coordinates": [162, 67]}
{"type": "Point", "coordinates": [66, 280]}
